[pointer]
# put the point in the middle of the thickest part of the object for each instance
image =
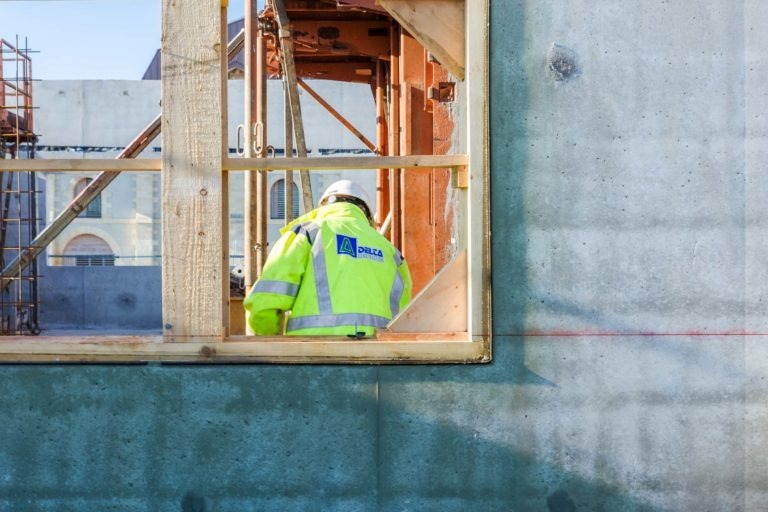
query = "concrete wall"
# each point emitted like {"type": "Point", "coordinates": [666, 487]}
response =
{"type": "Point", "coordinates": [100, 298]}
{"type": "Point", "coordinates": [628, 233]}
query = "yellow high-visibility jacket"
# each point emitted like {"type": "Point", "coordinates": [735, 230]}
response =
{"type": "Point", "coordinates": [334, 273]}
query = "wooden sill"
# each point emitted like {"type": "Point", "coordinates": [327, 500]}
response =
{"type": "Point", "coordinates": [402, 348]}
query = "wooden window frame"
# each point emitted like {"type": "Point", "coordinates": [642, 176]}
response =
{"type": "Point", "coordinates": [195, 235]}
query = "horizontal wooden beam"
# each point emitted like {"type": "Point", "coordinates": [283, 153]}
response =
{"type": "Point", "coordinates": [81, 165]}
{"type": "Point", "coordinates": [346, 162]}
{"type": "Point", "coordinates": [243, 164]}
{"type": "Point", "coordinates": [421, 348]}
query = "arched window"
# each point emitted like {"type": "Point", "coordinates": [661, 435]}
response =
{"type": "Point", "coordinates": [88, 251]}
{"type": "Point", "coordinates": [277, 200]}
{"type": "Point", "coordinates": [93, 210]}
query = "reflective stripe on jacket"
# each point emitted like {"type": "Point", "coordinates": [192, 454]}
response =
{"type": "Point", "coordinates": [334, 273]}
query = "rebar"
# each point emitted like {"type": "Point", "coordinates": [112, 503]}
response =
{"type": "Point", "coordinates": [19, 300]}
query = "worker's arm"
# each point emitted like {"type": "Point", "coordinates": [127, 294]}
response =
{"type": "Point", "coordinates": [275, 291]}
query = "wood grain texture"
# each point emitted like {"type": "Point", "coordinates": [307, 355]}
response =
{"type": "Point", "coordinates": [478, 212]}
{"type": "Point", "coordinates": [346, 162]}
{"type": "Point", "coordinates": [192, 191]}
{"type": "Point", "coordinates": [424, 348]}
{"type": "Point", "coordinates": [441, 305]}
{"type": "Point", "coordinates": [79, 165]}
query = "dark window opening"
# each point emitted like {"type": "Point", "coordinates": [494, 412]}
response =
{"type": "Point", "coordinates": [95, 260]}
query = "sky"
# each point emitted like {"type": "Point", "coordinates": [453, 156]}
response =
{"type": "Point", "coordinates": [88, 39]}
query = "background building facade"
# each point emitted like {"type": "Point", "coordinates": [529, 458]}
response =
{"type": "Point", "coordinates": [82, 119]}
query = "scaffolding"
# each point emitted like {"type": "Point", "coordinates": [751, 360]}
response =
{"type": "Point", "coordinates": [19, 302]}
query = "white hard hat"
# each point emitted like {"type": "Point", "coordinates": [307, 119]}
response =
{"type": "Point", "coordinates": [347, 188]}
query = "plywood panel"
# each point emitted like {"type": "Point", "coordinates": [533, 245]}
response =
{"type": "Point", "coordinates": [437, 24]}
{"type": "Point", "coordinates": [441, 306]}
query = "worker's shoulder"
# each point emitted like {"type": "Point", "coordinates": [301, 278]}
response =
{"type": "Point", "coordinates": [303, 230]}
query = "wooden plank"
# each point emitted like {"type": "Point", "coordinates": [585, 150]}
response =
{"type": "Point", "coordinates": [441, 305]}
{"type": "Point", "coordinates": [407, 337]}
{"type": "Point", "coordinates": [243, 349]}
{"type": "Point", "coordinates": [192, 193]}
{"type": "Point", "coordinates": [223, 252]}
{"type": "Point", "coordinates": [460, 177]}
{"type": "Point", "coordinates": [477, 213]}
{"type": "Point", "coordinates": [437, 24]}
{"type": "Point", "coordinates": [241, 164]}
{"type": "Point", "coordinates": [346, 162]}
{"type": "Point", "coordinates": [90, 164]}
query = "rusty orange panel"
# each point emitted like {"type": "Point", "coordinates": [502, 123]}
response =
{"type": "Point", "coordinates": [416, 139]}
{"type": "Point", "coordinates": [337, 38]}
{"type": "Point", "coordinates": [340, 50]}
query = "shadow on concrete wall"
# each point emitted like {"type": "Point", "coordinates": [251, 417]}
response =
{"type": "Point", "coordinates": [267, 438]}
{"type": "Point", "coordinates": [508, 160]}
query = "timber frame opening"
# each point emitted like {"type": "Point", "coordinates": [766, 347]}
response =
{"type": "Point", "coordinates": [447, 322]}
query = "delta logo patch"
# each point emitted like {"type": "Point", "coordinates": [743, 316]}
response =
{"type": "Point", "coordinates": [348, 245]}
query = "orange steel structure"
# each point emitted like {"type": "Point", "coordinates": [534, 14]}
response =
{"type": "Point", "coordinates": [358, 41]}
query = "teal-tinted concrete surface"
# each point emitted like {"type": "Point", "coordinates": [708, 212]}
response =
{"type": "Point", "coordinates": [629, 284]}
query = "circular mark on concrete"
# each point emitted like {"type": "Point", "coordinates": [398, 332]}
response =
{"type": "Point", "coordinates": [562, 63]}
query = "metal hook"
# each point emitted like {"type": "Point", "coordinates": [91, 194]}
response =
{"type": "Point", "coordinates": [258, 138]}
{"type": "Point", "coordinates": [238, 149]}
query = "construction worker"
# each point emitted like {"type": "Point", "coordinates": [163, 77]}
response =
{"type": "Point", "coordinates": [330, 273]}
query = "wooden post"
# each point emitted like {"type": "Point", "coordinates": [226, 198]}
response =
{"type": "Point", "coordinates": [193, 198]}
